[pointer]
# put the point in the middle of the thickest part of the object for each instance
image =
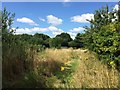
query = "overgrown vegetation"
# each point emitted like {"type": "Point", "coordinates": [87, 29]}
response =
{"type": "Point", "coordinates": [104, 36]}
{"type": "Point", "coordinates": [38, 61]}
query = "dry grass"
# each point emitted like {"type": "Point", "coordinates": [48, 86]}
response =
{"type": "Point", "coordinates": [91, 73]}
{"type": "Point", "coordinates": [53, 59]}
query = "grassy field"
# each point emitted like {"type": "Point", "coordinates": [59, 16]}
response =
{"type": "Point", "coordinates": [68, 68]}
{"type": "Point", "coordinates": [88, 71]}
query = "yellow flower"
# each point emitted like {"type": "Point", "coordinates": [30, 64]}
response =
{"type": "Point", "coordinates": [112, 62]}
{"type": "Point", "coordinates": [62, 68]}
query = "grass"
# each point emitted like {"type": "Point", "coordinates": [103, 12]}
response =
{"type": "Point", "coordinates": [91, 73]}
{"type": "Point", "coordinates": [80, 69]}
{"type": "Point", "coordinates": [88, 71]}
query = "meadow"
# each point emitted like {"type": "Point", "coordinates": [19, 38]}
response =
{"type": "Point", "coordinates": [67, 68]}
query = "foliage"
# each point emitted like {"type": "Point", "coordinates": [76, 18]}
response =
{"type": "Point", "coordinates": [107, 44]}
{"type": "Point", "coordinates": [61, 40]}
{"type": "Point", "coordinates": [7, 21]}
{"type": "Point", "coordinates": [55, 42]}
{"type": "Point", "coordinates": [79, 39]}
{"type": "Point", "coordinates": [72, 44]}
{"type": "Point", "coordinates": [41, 39]}
{"type": "Point", "coordinates": [66, 72]}
{"type": "Point", "coordinates": [17, 55]}
{"type": "Point", "coordinates": [104, 35]}
{"type": "Point", "coordinates": [118, 12]}
{"type": "Point", "coordinates": [65, 38]}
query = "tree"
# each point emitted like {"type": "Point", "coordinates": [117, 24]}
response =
{"type": "Point", "coordinates": [13, 51]}
{"type": "Point", "coordinates": [65, 38]}
{"type": "Point", "coordinates": [55, 42]}
{"type": "Point", "coordinates": [78, 42]}
{"type": "Point", "coordinates": [7, 21]}
{"type": "Point", "coordinates": [79, 39]}
{"type": "Point", "coordinates": [103, 36]}
{"type": "Point", "coordinates": [42, 39]}
{"type": "Point", "coordinates": [102, 17]}
{"type": "Point", "coordinates": [72, 44]}
{"type": "Point", "coordinates": [118, 11]}
{"type": "Point", "coordinates": [106, 42]}
{"type": "Point", "coordinates": [0, 20]}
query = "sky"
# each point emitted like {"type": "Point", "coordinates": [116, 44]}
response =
{"type": "Point", "coordinates": [53, 18]}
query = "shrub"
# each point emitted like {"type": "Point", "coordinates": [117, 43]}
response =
{"type": "Point", "coordinates": [106, 43]}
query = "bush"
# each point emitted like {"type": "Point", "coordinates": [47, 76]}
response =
{"type": "Point", "coordinates": [106, 43]}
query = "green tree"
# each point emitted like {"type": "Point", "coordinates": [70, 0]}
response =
{"type": "Point", "coordinates": [72, 44]}
{"type": "Point", "coordinates": [42, 39]}
{"type": "Point", "coordinates": [78, 42]}
{"type": "Point", "coordinates": [0, 21]}
{"type": "Point", "coordinates": [79, 39]}
{"type": "Point", "coordinates": [106, 42]}
{"type": "Point", "coordinates": [118, 11]}
{"type": "Point", "coordinates": [103, 36]}
{"type": "Point", "coordinates": [65, 38]}
{"type": "Point", "coordinates": [102, 17]}
{"type": "Point", "coordinates": [55, 42]}
{"type": "Point", "coordinates": [7, 21]}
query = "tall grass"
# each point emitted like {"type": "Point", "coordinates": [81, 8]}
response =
{"type": "Point", "coordinates": [64, 68]}
{"type": "Point", "coordinates": [92, 73]}
{"type": "Point", "coordinates": [88, 73]}
{"type": "Point", "coordinates": [17, 60]}
{"type": "Point", "coordinates": [49, 64]}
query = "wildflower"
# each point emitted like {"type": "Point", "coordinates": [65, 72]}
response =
{"type": "Point", "coordinates": [112, 62]}
{"type": "Point", "coordinates": [62, 68]}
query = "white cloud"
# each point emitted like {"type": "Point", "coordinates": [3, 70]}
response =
{"type": "Point", "coordinates": [77, 30]}
{"type": "Point", "coordinates": [37, 29]}
{"type": "Point", "coordinates": [115, 7]}
{"type": "Point", "coordinates": [41, 19]}
{"type": "Point", "coordinates": [54, 20]}
{"type": "Point", "coordinates": [82, 18]}
{"type": "Point", "coordinates": [23, 31]}
{"type": "Point", "coordinates": [55, 31]}
{"type": "Point", "coordinates": [27, 20]}
{"type": "Point", "coordinates": [53, 28]}
{"type": "Point", "coordinates": [67, 0]}
{"type": "Point", "coordinates": [30, 30]}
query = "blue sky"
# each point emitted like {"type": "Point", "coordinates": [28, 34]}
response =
{"type": "Point", "coordinates": [53, 18]}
